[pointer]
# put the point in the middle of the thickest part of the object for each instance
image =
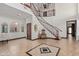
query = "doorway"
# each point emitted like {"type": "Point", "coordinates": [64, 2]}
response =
{"type": "Point", "coordinates": [71, 29]}
{"type": "Point", "coordinates": [29, 31]}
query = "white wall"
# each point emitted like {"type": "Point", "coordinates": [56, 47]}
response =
{"type": "Point", "coordinates": [12, 35]}
{"type": "Point", "coordinates": [63, 13]}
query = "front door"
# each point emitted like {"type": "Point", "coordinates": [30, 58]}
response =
{"type": "Point", "coordinates": [28, 30]}
{"type": "Point", "coordinates": [73, 30]}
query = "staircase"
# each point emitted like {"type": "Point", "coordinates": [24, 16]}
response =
{"type": "Point", "coordinates": [52, 29]}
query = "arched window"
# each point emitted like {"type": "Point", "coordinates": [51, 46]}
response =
{"type": "Point", "coordinates": [14, 27]}
{"type": "Point", "coordinates": [45, 13]}
{"type": "Point", "coordinates": [44, 5]}
{"type": "Point", "coordinates": [4, 28]}
{"type": "Point", "coordinates": [22, 28]}
{"type": "Point", "coordinates": [53, 12]}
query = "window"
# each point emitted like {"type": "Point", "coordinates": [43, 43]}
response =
{"type": "Point", "coordinates": [70, 30]}
{"type": "Point", "coordinates": [44, 5]}
{"type": "Point", "coordinates": [45, 13]}
{"type": "Point", "coordinates": [22, 28]}
{"type": "Point", "coordinates": [14, 27]}
{"type": "Point", "coordinates": [53, 12]}
{"type": "Point", "coordinates": [4, 28]}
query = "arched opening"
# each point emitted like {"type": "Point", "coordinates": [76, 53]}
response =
{"type": "Point", "coordinates": [4, 28]}
{"type": "Point", "coordinates": [14, 27]}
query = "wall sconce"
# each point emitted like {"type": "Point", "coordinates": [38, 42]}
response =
{"type": "Point", "coordinates": [16, 23]}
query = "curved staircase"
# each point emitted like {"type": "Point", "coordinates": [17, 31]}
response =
{"type": "Point", "coordinates": [52, 29]}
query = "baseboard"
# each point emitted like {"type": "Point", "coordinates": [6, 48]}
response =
{"type": "Point", "coordinates": [42, 38]}
{"type": "Point", "coordinates": [13, 39]}
{"type": "Point", "coordinates": [64, 37]}
{"type": "Point", "coordinates": [17, 38]}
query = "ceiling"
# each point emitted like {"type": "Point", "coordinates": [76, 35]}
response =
{"type": "Point", "coordinates": [11, 12]}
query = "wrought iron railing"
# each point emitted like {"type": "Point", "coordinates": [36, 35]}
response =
{"type": "Point", "coordinates": [52, 29]}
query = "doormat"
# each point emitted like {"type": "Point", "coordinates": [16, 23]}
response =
{"type": "Point", "coordinates": [44, 50]}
